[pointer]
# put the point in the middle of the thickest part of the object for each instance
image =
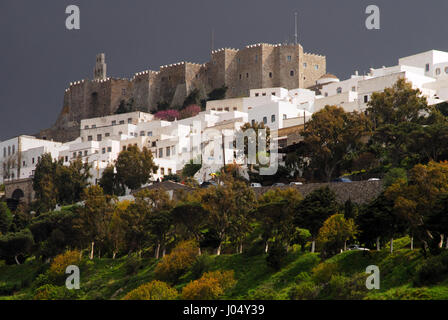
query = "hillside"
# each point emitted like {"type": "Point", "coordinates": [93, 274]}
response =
{"type": "Point", "coordinates": [303, 276]}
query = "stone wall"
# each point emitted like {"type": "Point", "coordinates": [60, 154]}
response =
{"type": "Point", "coordinates": [357, 191]}
{"type": "Point", "coordinates": [25, 185]}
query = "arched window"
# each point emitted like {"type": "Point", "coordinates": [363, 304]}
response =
{"type": "Point", "coordinates": [291, 73]}
{"type": "Point", "coordinates": [265, 120]}
{"type": "Point", "coordinates": [339, 90]}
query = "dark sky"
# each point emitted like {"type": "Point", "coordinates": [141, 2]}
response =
{"type": "Point", "coordinates": [39, 56]}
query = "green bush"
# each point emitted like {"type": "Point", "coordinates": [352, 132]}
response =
{"type": "Point", "coordinates": [433, 270]}
{"type": "Point", "coordinates": [323, 272]}
{"type": "Point", "coordinates": [264, 292]}
{"type": "Point", "coordinates": [306, 290]}
{"type": "Point", "coordinates": [51, 292]}
{"type": "Point", "coordinates": [132, 265]}
{"type": "Point", "coordinates": [155, 290]}
{"type": "Point", "coordinates": [344, 288]}
{"type": "Point", "coordinates": [276, 256]}
{"type": "Point", "coordinates": [201, 265]}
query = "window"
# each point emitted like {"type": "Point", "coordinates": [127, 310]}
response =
{"type": "Point", "coordinates": [168, 151]}
{"type": "Point", "coordinates": [103, 150]}
{"type": "Point", "coordinates": [162, 171]}
{"type": "Point", "coordinates": [123, 91]}
{"type": "Point", "coordinates": [288, 58]}
{"type": "Point", "coordinates": [316, 67]}
{"type": "Point", "coordinates": [257, 94]}
{"type": "Point", "coordinates": [264, 94]}
{"type": "Point", "coordinates": [265, 120]}
{"type": "Point", "coordinates": [256, 57]}
{"type": "Point", "coordinates": [253, 122]}
{"type": "Point", "coordinates": [427, 67]}
{"type": "Point", "coordinates": [32, 161]}
{"type": "Point", "coordinates": [80, 153]}
{"type": "Point", "coordinates": [107, 134]}
{"type": "Point", "coordinates": [13, 149]}
{"type": "Point", "coordinates": [93, 126]}
{"type": "Point", "coordinates": [270, 74]}
{"type": "Point", "coordinates": [273, 93]}
{"type": "Point", "coordinates": [285, 117]}
{"type": "Point", "coordinates": [74, 154]}
{"type": "Point", "coordinates": [438, 71]}
{"type": "Point", "coordinates": [66, 159]}
{"type": "Point", "coordinates": [304, 64]}
{"type": "Point", "coordinates": [121, 121]}
{"type": "Point", "coordinates": [9, 150]}
{"type": "Point", "coordinates": [23, 164]}
{"type": "Point", "coordinates": [85, 153]}
{"type": "Point", "coordinates": [291, 73]}
{"type": "Point", "coordinates": [142, 133]}
{"type": "Point", "coordinates": [153, 144]}
{"type": "Point", "coordinates": [99, 137]}
{"type": "Point", "coordinates": [114, 122]}
{"type": "Point", "coordinates": [446, 70]}
{"type": "Point", "coordinates": [150, 134]}
{"type": "Point", "coordinates": [354, 89]}
{"type": "Point", "coordinates": [326, 94]}
{"type": "Point", "coordinates": [366, 99]}
{"type": "Point", "coordinates": [339, 90]}
{"type": "Point", "coordinates": [273, 118]}
{"type": "Point", "coordinates": [247, 75]}
{"type": "Point", "coordinates": [129, 120]}
{"type": "Point", "coordinates": [109, 149]}
{"type": "Point", "coordinates": [240, 76]}
{"type": "Point", "coordinates": [86, 127]}
{"type": "Point", "coordinates": [89, 138]}
{"type": "Point", "coordinates": [161, 153]}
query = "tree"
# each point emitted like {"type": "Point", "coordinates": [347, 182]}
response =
{"type": "Point", "coordinates": [331, 137]}
{"type": "Point", "coordinates": [189, 218]}
{"type": "Point", "coordinates": [218, 93]}
{"type": "Point", "coordinates": [275, 214]}
{"type": "Point", "coordinates": [94, 218]}
{"type": "Point", "coordinates": [110, 183]}
{"type": "Point", "coordinates": [14, 245]}
{"type": "Point", "coordinates": [228, 206]}
{"type": "Point", "coordinates": [43, 185]}
{"type": "Point", "coordinates": [189, 111]}
{"type": "Point", "coordinates": [71, 180]}
{"type": "Point", "coordinates": [252, 141]}
{"type": "Point", "coordinates": [312, 212]}
{"type": "Point", "coordinates": [154, 290]}
{"type": "Point", "coordinates": [135, 167]}
{"type": "Point", "coordinates": [377, 220]}
{"type": "Point", "coordinates": [190, 169]}
{"type": "Point", "coordinates": [5, 218]}
{"type": "Point", "coordinates": [335, 232]}
{"type": "Point", "coordinates": [210, 286]}
{"type": "Point", "coordinates": [416, 198]}
{"type": "Point", "coordinates": [167, 115]}
{"type": "Point", "coordinates": [173, 265]}
{"type": "Point", "coordinates": [399, 103]}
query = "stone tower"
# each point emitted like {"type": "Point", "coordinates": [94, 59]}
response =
{"type": "Point", "coordinates": [100, 67]}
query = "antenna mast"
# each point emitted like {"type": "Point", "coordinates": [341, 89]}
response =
{"type": "Point", "coordinates": [295, 34]}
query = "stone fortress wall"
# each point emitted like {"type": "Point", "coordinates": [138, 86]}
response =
{"type": "Point", "coordinates": [255, 66]}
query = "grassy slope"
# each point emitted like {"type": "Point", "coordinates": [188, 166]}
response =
{"type": "Point", "coordinates": [108, 279]}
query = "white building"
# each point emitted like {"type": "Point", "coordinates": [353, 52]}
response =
{"type": "Point", "coordinates": [19, 156]}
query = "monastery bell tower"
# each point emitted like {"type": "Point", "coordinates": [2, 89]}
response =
{"type": "Point", "coordinates": [100, 67]}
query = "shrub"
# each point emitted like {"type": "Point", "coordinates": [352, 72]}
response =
{"type": "Point", "coordinates": [51, 292]}
{"type": "Point", "coordinates": [132, 265]}
{"type": "Point", "coordinates": [154, 290]}
{"type": "Point", "coordinates": [432, 270]}
{"type": "Point", "coordinates": [177, 262]}
{"type": "Point", "coordinates": [323, 272]}
{"type": "Point", "coordinates": [263, 292]}
{"type": "Point", "coordinates": [62, 261]}
{"type": "Point", "coordinates": [343, 288]}
{"type": "Point", "coordinates": [276, 256]}
{"type": "Point", "coordinates": [306, 290]}
{"type": "Point", "coordinates": [210, 286]}
{"type": "Point", "coordinates": [201, 265]}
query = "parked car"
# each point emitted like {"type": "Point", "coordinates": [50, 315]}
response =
{"type": "Point", "coordinates": [207, 184]}
{"type": "Point", "coordinates": [356, 247]}
{"type": "Point", "coordinates": [341, 179]}
{"type": "Point", "coordinates": [374, 179]}
{"type": "Point", "coordinates": [278, 184]}
{"type": "Point", "coordinates": [255, 185]}
{"type": "Point", "coordinates": [296, 184]}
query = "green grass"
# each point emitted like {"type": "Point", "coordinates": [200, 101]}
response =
{"type": "Point", "coordinates": [111, 279]}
